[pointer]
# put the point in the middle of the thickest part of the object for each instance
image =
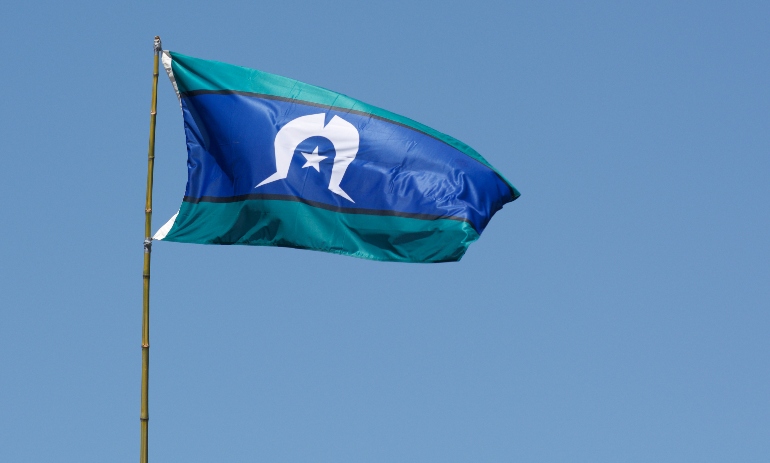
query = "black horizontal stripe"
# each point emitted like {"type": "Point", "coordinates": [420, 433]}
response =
{"type": "Point", "coordinates": [320, 205]}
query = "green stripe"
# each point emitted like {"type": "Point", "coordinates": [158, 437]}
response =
{"type": "Point", "coordinates": [259, 222]}
{"type": "Point", "coordinates": [193, 74]}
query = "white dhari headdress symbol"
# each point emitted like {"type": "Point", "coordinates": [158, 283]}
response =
{"type": "Point", "coordinates": [341, 133]}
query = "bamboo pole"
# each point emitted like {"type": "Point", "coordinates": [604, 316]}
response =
{"type": "Point", "coordinates": [144, 416]}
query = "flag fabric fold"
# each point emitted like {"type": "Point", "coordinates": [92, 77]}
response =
{"type": "Point", "coordinates": [276, 162]}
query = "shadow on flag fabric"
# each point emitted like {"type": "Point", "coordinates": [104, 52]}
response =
{"type": "Point", "coordinates": [276, 162]}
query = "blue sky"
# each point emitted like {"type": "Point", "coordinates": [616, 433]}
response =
{"type": "Point", "coordinates": [618, 311]}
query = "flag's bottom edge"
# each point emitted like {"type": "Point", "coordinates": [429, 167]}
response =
{"type": "Point", "coordinates": [301, 226]}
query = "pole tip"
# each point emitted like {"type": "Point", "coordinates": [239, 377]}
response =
{"type": "Point", "coordinates": [157, 46]}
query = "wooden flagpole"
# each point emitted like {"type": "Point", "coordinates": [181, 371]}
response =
{"type": "Point", "coordinates": [144, 416]}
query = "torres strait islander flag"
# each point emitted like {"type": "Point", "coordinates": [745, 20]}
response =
{"type": "Point", "coordinates": [276, 162]}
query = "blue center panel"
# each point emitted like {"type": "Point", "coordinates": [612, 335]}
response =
{"type": "Point", "coordinates": [230, 150]}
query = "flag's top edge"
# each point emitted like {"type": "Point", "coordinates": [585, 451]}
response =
{"type": "Point", "coordinates": [189, 74]}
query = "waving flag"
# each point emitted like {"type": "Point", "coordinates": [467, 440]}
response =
{"type": "Point", "coordinates": [276, 162]}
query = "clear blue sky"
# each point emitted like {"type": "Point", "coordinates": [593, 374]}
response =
{"type": "Point", "coordinates": [618, 311]}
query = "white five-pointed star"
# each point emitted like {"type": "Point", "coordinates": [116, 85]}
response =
{"type": "Point", "coordinates": [313, 159]}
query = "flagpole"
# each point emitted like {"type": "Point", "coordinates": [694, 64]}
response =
{"type": "Point", "coordinates": [144, 416]}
